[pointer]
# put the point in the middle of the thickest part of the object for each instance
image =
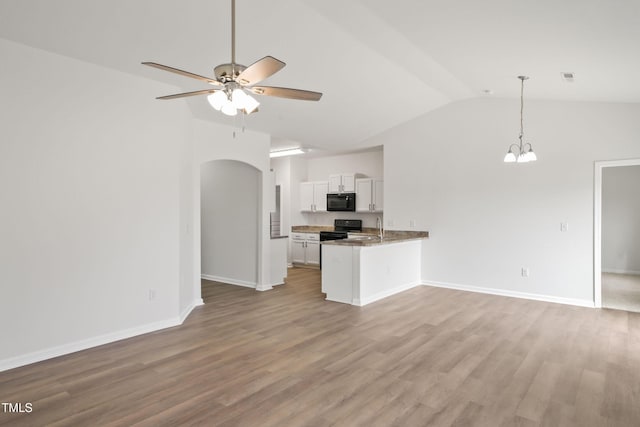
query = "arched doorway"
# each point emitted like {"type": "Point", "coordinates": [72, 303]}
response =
{"type": "Point", "coordinates": [230, 227]}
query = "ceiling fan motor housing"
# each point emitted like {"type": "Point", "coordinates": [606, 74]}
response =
{"type": "Point", "coordinates": [228, 72]}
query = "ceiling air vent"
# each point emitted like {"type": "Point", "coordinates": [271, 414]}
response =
{"type": "Point", "coordinates": [567, 77]}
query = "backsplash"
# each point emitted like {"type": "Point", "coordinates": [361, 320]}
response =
{"type": "Point", "coordinates": [327, 218]}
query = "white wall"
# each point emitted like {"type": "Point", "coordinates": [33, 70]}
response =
{"type": "Point", "coordinates": [369, 163]}
{"type": "Point", "coordinates": [90, 168]}
{"type": "Point", "coordinates": [621, 219]}
{"type": "Point", "coordinates": [229, 217]}
{"type": "Point", "coordinates": [281, 167]}
{"type": "Point", "coordinates": [299, 173]}
{"type": "Point", "coordinates": [289, 172]}
{"type": "Point", "coordinates": [488, 219]}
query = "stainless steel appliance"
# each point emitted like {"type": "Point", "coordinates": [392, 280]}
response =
{"type": "Point", "coordinates": [341, 202]}
{"type": "Point", "coordinates": [341, 229]}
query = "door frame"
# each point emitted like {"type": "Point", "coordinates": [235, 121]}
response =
{"type": "Point", "coordinates": [597, 223]}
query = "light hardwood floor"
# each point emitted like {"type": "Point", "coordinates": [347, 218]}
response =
{"type": "Point", "coordinates": [425, 357]}
{"type": "Point", "coordinates": [621, 291]}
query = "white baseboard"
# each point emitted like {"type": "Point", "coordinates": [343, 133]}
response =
{"type": "Point", "coordinates": [263, 288]}
{"type": "Point", "coordinates": [620, 271]}
{"type": "Point", "coordinates": [385, 294]}
{"type": "Point", "coordinates": [229, 281]}
{"type": "Point", "coordinates": [513, 294]}
{"type": "Point", "coordinates": [341, 301]}
{"type": "Point", "coordinates": [187, 310]}
{"type": "Point", "coordinates": [61, 350]}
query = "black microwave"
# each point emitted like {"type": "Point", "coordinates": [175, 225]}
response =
{"type": "Point", "coordinates": [341, 202]}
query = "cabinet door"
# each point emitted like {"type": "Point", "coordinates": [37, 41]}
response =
{"type": "Point", "coordinates": [313, 252]}
{"type": "Point", "coordinates": [320, 190]}
{"type": "Point", "coordinates": [306, 196]}
{"type": "Point", "coordinates": [335, 183]}
{"type": "Point", "coordinates": [349, 183]}
{"type": "Point", "coordinates": [378, 195]}
{"type": "Point", "coordinates": [298, 251]}
{"type": "Point", "coordinates": [363, 195]}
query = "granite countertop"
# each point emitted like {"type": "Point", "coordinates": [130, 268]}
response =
{"type": "Point", "coordinates": [372, 239]}
{"type": "Point", "coordinates": [319, 228]}
{"type": "Point", "coordinates": [310, 228]}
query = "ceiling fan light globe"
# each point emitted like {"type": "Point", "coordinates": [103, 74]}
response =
{"type": "Point", "coordinates": [250, 104]}
{"type": "Point", "coordinates": [217, 100]}
{"type": "Point", "coordinates": [229, 109]}
{"type": "Point", "coordinates": [239, 98]}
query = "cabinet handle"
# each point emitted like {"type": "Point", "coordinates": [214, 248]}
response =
{"type": "Point", "coordinates": [373, 206]}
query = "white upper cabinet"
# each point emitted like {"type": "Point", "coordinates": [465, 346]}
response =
{"type": "Point", "coordinates": [306, 196]}
{"type": "Point", "coordinates": [369, 195]}
{"type": "Point", "coordinates": [378, 195]}
{"type": "Point", "coordinates": [313, 196]}
{"type": "Point", "coordinates": [342, 183]}
{"type": "Point", "coordinates": [320, 190]}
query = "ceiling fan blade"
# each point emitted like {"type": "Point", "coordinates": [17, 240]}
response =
{"type": "Point", "coordinates": [184, 95]}
{"type": "Point", "coordinates": [285, 92]}
{"type": "Point", "coordinates": [183, 73]}
{"type": "Point", "coordinates": [260, 70]}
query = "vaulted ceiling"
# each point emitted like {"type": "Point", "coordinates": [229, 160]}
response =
{"type": "Point", "coordinates": [378, 63]}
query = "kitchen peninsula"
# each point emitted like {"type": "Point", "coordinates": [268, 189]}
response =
{"type": "Point", "coordinates": [364, 268]}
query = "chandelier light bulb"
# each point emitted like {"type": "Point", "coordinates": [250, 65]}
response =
{"type": "Point", "coordinates": [510, 157]}
{"type": "Point", "coordinates": [531, 155]}
{"type": "Point", "coordinates": [217, 99]}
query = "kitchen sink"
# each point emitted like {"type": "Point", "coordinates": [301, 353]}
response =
{"type": "Point", "coordinates": [363, 237]}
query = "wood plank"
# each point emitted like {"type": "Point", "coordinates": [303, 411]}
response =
{"type": "Point", "coordinates": [428, 356]}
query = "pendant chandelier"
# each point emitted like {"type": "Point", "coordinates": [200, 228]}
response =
{"type": "Point", "coordinates": [521, 152]}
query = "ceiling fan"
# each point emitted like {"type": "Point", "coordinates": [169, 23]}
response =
{"type": "Point", "coordinates": [233, 80]}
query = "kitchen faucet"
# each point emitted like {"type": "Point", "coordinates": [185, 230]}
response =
{"type": "Point", "coordinates": [380, 230]}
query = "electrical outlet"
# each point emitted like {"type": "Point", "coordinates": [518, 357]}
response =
{"type": "Point", "coordinates": [525, 272]}
{"type": "Point", "coordinates": [564, 226]}
{"type": "Point", "coordinates": [412, 223]}
{"type": "Point", "coordinates": [152, 294]}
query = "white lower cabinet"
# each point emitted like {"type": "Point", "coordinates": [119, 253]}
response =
{"type": "Point", "coordinates": [305, 249]}
{"type": "Point", "coordinates": [298, 251]}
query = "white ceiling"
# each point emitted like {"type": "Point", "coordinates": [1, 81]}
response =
{"type": "Point", "coordinates": [378, 63]}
